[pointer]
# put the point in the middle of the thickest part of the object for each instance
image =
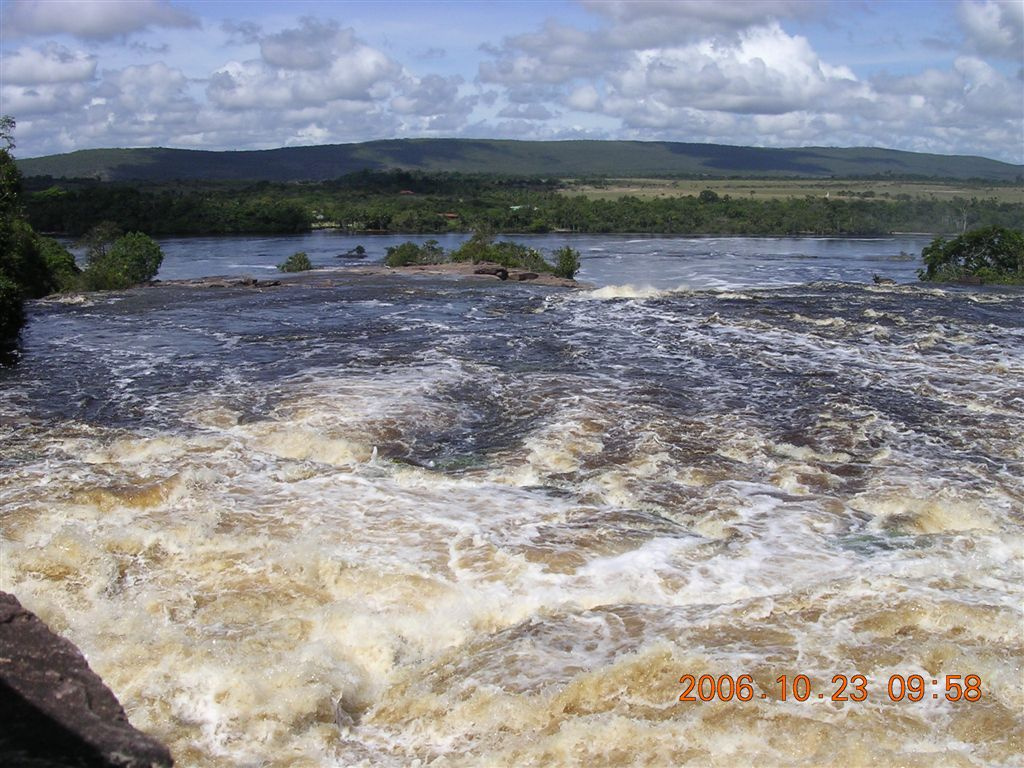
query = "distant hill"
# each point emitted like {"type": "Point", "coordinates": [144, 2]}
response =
{"type": "Point", "coordinates": [527, 158]}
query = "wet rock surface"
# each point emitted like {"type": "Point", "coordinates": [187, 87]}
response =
{"type": "Point", "coordinates": [499, 272]}
{"type": "Point", "coordinates": [54, 709]}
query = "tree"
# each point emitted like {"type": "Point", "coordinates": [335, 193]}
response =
{"type": "Point", "coordinates": [130, 259]}
{"type": "Point", "coordinates": [297, 262]}
{"type": "Point", "coordinates": [477, 248]}
{"type": "Point", "coordinates": [24, 271]}
{"type": "Point", "coordinates": [21, 258]}
{"type": "Point", "coordinates": [567, 262]}
{"type": "Point", "coordinates": [61, 265]}
{"type": "Point", "coordinates": [97, 241]}
{"type": "Point", "coordinates": [409, 253]}
{"type": "Point", "coordinates": [7, 133]}
{"type": "Point", "coordinates": [12, 309]}
{"type": "Point", "coordinates": [10, 176]}
{"type": "Point", "coordinates": [992, 254]}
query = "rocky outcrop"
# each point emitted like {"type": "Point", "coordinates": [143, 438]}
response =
{"type": "Point", "coordinates": [218, 282]}
{"type": "Point", "coordinates": [499, 272]}
{"type": "Point", "coordinates": [54, 710]}
{"type": "Point", "coordinates": [329, 277]}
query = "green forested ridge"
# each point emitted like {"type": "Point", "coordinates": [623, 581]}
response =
{"type": "Point", "coordinates": [542, 158]}
{"type": "Point", "coordinates": [428, 203]}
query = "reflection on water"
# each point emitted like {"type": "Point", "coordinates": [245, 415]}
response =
{"type": "Point", "coordinates": [375, 521]}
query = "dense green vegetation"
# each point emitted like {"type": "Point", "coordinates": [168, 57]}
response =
{"type": "Point", "coordinates": [65, 273]}
{"type": "Point", "coordinates": [297, 262]}
{"type": "Point", "coordinates": [30, 266]}
{"type": "Point", "coordinates": [12, 310]}
{"type": "Point", "coordinates": [989, 255]}
{"type": "Point", "coordinates": [483, 248]}
{"type": "Point", "coordinates": [532, 158]}
{"type": "Point", "coordinates": [74, 208]}
{"type": "Point", "coordinates": [408, 254]}
{"type": "Point", "coordinates": [567, 262]}
{"type": "Point", "coordinates": [428, 203]}
{"type": "Point", "coordinates": [117, 261]}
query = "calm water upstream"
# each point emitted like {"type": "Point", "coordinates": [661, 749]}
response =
{"type": "Point", "coordinates": [394, 521]}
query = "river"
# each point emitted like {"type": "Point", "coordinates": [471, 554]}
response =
{"type": "Point", "coordinates": [392, 521]}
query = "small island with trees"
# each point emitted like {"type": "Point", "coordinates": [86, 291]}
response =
{"type": "Point", "coordinates": [483, 249]}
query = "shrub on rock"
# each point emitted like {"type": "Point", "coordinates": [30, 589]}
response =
{"type": "Point", "coordinates": [297, 262]}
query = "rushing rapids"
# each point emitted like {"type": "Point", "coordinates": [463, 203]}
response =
{"type": "Point", "coordinates": [393, 521]}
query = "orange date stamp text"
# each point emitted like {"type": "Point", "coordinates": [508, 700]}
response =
{"type": "Point", "coordinates": [911, 688]}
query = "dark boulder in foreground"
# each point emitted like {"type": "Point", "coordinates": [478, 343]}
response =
{"type": "Point", "coordinates": [54, 710]}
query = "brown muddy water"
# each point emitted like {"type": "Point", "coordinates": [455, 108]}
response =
{"type": "Point", "coordinates": [422, 521]}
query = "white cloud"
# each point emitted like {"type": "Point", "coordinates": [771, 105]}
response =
{"type": "Point", "coordinates": [994, 28]}
{"type": "Point", "coordinates": [555, 54]}
{"type": "Point", "coordinates": [585, 98]}
{"type": "Point", "coordinates": [766, 72]}
{"type": "Point", "coordinates": [987, 92]}
{"type": "Point", "coordinates": [241, 32]}
{"type": "Point", "coordinates": [147, 88]}
{"type": "Point", "coordinates": [313, 45]}
{"type": "Point", "coordinates": [33, 101]}
{"type": "Point", "coordinates": [52, 64]}
{"type": "Point", "coordinates": [740, 68]}
{"type": "Point", "coordinates": [527, 112]}
{"type": "Point", "coordinates": [314, 64]}
{"type": "Point", "coordinates": [965, 97]}
{"type": "Point", "coordinates": [351, 76]}
{"type": "Point", "coordinates": [430, 95]}
{"type": "Point", "coordinates": [654, 23]}
{"type": "Point", "coordinates": [433, 104]}
{"type": "Point", "coordinates": [91, 19]}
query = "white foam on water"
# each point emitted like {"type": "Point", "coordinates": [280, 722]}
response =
{"type": "Point", "coordinates": [277, 586]}
{"type": "Point", "coordinates": [627, 292]}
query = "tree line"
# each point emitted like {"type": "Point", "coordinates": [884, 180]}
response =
{"type": "Point", "coordinates": [435, 203]}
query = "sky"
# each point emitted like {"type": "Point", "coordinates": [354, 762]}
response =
{"type": "Point", "coordinates": [922, 75]}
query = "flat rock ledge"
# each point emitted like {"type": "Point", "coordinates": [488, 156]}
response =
{"type": "Point", "coordinates": [54, 710]}
{"type": "Point", "coordinates": [484, 270]}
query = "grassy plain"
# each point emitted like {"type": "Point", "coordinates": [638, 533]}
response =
{"type": "Point", "coordinates": [768, 189]}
